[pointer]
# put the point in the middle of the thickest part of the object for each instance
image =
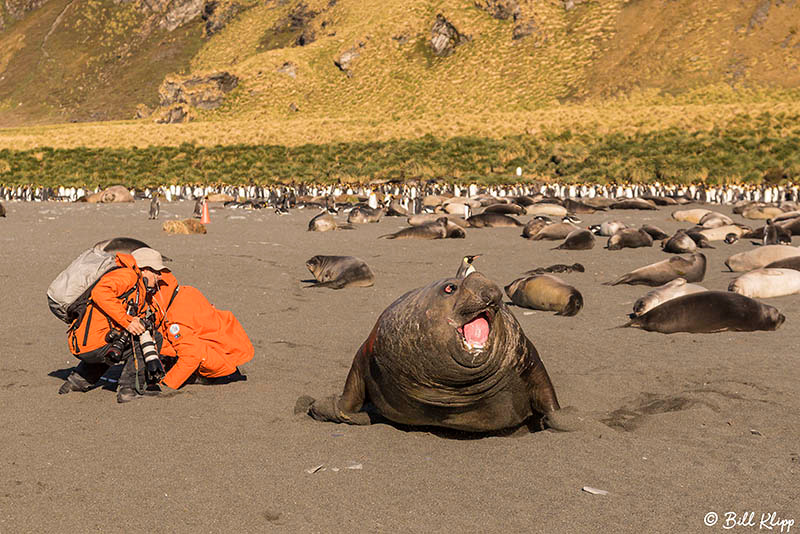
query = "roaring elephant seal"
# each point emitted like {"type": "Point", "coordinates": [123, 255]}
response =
{"type": "Point", "coordinates": [767, 283]}
{"type": "Point", "coordinates": [692, 269]}
{"type": "Point", "coordinates": [450, 355]}
{"type": "Point", "coordinates": [629, 238]}
{"type": "Point", "coordinates": [708, 312]}
{"type": "Point", "coordinates": [337, 272]}
{"type": "Point", "coordinates": [545, 292]}
{"type": "Point", "coordinates": [760, 257]}
{"type": "Point", "coordinates": [671, 290]}
{"type": "Point", "coordinates": [577, 240]}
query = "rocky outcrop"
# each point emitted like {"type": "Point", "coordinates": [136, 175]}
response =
{"type": "Point", "coordinates": [569, 5]}
{"type": "Point", "coordinates": [445, 37]}
{"type": "Point", "coordinates": [346, 58]}
{"type": "Point", "coordinates": [500, 9]}
{"type": "Point", "coordinates": [181, 97]}
{"type": "Point", "coordinates": [524, 29]}
{"type": "Point", "coordinates": [760, 15]}
{"type": "Point", "coordinates": [289, 69]}
{"type": "Point", "coordinates": [218, 13]}
{"type": "Point", "coordinates": [173, 13]}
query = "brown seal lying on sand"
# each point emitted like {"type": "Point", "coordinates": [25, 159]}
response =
{"type": "Point", "coordinates": [661, 272]}
{"type": "Point", "coordinates": [449, 355]}
{"type": "Point", "coordinates": [337, 272]}
{"type": "Point", "coordinates": [545, 292]}
{"type": "Point", "coordinates": [708, 312]}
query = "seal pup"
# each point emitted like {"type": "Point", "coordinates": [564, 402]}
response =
{"type": "Point", "coordinates": [692, 269]}
{"type": "Point", "coordinates": [432, 230]}
{"type": "Point", "coordinates": [692, 216]}
{"type": "Point", "coordinates": [786, 263]}
{"type": "Point", "coordinates": [155, 207]}
{"type": "Point", "coordinates": [365, 214]}
{"type": "Point", "coordinates": [576, 206]}
{"type": "Point", "coordinates": [708, 312]}
{"type": "Point", "coordinates": [760, 257]}
{"type": "Point", "coordinates": [629, 238]}
{"type": "Point", "coordinates": [504, 208]}
{"type": "Point", "coordinates": [552, 210]}
{"type": "Point", "coordinates": [337, 272]}
{"type": "Point", "coordinates": [674, 289]}
{"type": "Point", "coordinates": [553, 232]}
{"type": "Point", "coordinates": [767, 283]}
{"type": "Point", "coordinates": [558, 268]}
{"type": "Point", "coordinates": [324, 222]}
{"type": "Point", "coordinates": [607, 228]}
{"type": "Point", "coordinates": [633, 204]}
{"type": "Point", "coordinates": [713, 219]}
{"type": "Point", "coordinates": [679, 243]}
{"type": "Point", "coordinates": [396, 209]}
{"type": "Point", "coordinates": [466, 268]}
{"type": "Point", "coordinates": [492, 220]}
{"type": "Point", "coordinates": [532, 227]}
{"type": "Point", "coordinates": [545, 292]}
{"type": "Point", "coordinates": [450, 355]}
{"type": "Point", "coordinates": [655, 232]}
{"type": "Point", "coordinates": [577, 240]}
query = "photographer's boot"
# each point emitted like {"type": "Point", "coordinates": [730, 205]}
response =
{"type": "Point", "coordinates": [126, 391]}
{"type": "Point", "coordinates": [74, 382]}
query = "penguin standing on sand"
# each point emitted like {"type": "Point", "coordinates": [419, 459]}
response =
{"type": "Point", "coordinates": [155, 206]}
{"type": "Point", "coordinates": [198, 208]}
{"type": "Point", "coordinates": [466, 268]}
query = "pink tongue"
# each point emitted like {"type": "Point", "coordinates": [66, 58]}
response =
{"type": "Point", "coordinates": [477, 330]}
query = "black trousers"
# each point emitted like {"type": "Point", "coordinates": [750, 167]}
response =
{"type": "Point", "coordinates": [93, 364]}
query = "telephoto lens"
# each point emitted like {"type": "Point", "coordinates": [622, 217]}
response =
{"type": "Point", "coordinates": [152, 362]}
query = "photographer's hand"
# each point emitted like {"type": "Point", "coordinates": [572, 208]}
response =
{"type": "Point", "coordinates": [136, 327]}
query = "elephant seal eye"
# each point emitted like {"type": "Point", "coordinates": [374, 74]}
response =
{"type": "Point", "coordinates": [449, 288]}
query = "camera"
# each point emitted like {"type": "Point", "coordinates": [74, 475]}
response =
{"type": "Point", "coordinates": [117, 345]}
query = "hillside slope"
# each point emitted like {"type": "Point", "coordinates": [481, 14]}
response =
{"type": "Point", "coordinates": [90, 60]}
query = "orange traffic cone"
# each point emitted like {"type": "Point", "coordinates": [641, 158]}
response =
{"type": "Point", "coordinates": [204, 219]}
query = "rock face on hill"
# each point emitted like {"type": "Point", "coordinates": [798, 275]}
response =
{"type": "Point", "coordinates": [500, 9]}
{"type": "Point", "coordinates": [179, 97]}
{"type": "Point", "coordinates": [445, 37]}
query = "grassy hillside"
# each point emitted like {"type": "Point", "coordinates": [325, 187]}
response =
{"type": "Point", "coordinates": [96, 59]}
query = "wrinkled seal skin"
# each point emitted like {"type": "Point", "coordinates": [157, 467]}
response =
{"type": "Point", "coordinates": [578, 240]}
{"type": "Point", "coordinates": [661, 272]}
{"type": "Point", "coordinates": [661, 294]}
{"type": "Point", "coordinates": [545, 292]}
{"type": "Point", "coordinates": [679, 243]}
{"type": "Point", "coordinates": [365, 214]}
{"type": "Point", "coordinates": [337, 272]}
{"type": "Point", "coordinates": [708, 312]}
{"type": "Point", "coordinates": [629, 238]}
{"type": "Point", "coordinates": [415, 369]}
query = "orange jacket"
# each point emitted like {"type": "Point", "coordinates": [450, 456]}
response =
{"type": "Point", "coordinates": [206, 340]}
{"type": "Point", "coordinates": [106, 309]}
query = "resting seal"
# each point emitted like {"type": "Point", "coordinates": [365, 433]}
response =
{"type": "Point", "coordinates": [438, 229]}
{"type": "Point", "coordinates": [661, 294]}
{"type": "Point", "coordinates": [450, 355]}
{"type": "Point", "coordinates": [577, 240]}
{"type": "Point", "coordinates": [679, 243]}
{"type": "Point", "coordinates": [365, 214]}
{"type": "Point", "coordinates": [492, 220]}
{"type": "Point", "coordinates": [760, 257]}
{"type": "Point", "coordinates": [324, 222]}
{"type": "Point", "coordinates": [767, 283]}
{"type": "Point", "coordinates": [629, 238]}
{"type": "Point", "coordinates": [545, 292]}
{"type": "Point", "coordinates": [661, 272]}
{"type": "Point", "coordinates": [710, 311]}
{"type": "Point", "coordinates": [337, 272]}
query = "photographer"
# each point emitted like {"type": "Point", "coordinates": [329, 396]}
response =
{"type": "Point", "coordinates": [209, 344]}
{"type": "Point", "coordinates": [113, 327]}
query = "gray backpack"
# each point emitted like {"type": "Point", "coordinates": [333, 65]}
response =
{"type": "Point", "coordinates": [70, 292]}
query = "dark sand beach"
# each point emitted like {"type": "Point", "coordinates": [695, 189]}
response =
{"type": "Point", "coordinates": [696, 423]}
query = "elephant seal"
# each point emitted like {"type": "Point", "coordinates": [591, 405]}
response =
{"type": "Point", "coordinates": [533, 227]}
{"type": "Point", "coordinates": [760, 257]}
{"type": "Point", "coordinates": [554, 231]}
{"type": "Point", "coordinates": [692, 269]}
{"type": "Point", "coordinates": [655, 232]}
{"type": "Point", "coordinates": [576, 206]}
{"type": "Point", "coordinates": [425, 218]}
{"type": "Point", "coordinates": [577, 240]}
{"type": "Point", "coordinates": [337, 272]}
{"type": "Point", "coordinates": [324, 222]}
{"type": "Point", "coordinates": [629, 238]}
{"type": "Point", "coordinates": [450, 355]}
{"type": "Point", "coordinates": [708, 312]}
{"type": "Point", "coordinates": [365, 214]}
{"type": "Point", "coordinates": [506, 209]}
{"type": "Point", "coordinates": [115, 193]}
{"type": "Point", "coordinates": [608, 228]}
{"type": "Point", "coordinates": [786, 263]}
{"type": "Point", "coordinates": [698, 237]}
{"type": "Point", "coordinates": [767, 283]}
{"type": "Point", "coordinates": [552, 210]}
{"type": "Point", "coordinates": [721, 232]}
{"type": "Point", "coordinates": [679, 243]}
{"type": "Point", "coordinates": [761, 212]}
{"type": "Point", "coordinates": [713, 219]}
{"type": "Point", "coordinates": [674, 289]}
{"type": "Point", "coordinates": [492, 220]}
{"type": "Point", "coordinates": [432, 230]}
{"type": "Point", "coordinates": [692, 216]}
{"type": "Point", "coordinates": [633, 204]}
{"type": "Point", "coordinates": [545, 292]}
{"type": "Point", "coordinates": [558, 268]}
